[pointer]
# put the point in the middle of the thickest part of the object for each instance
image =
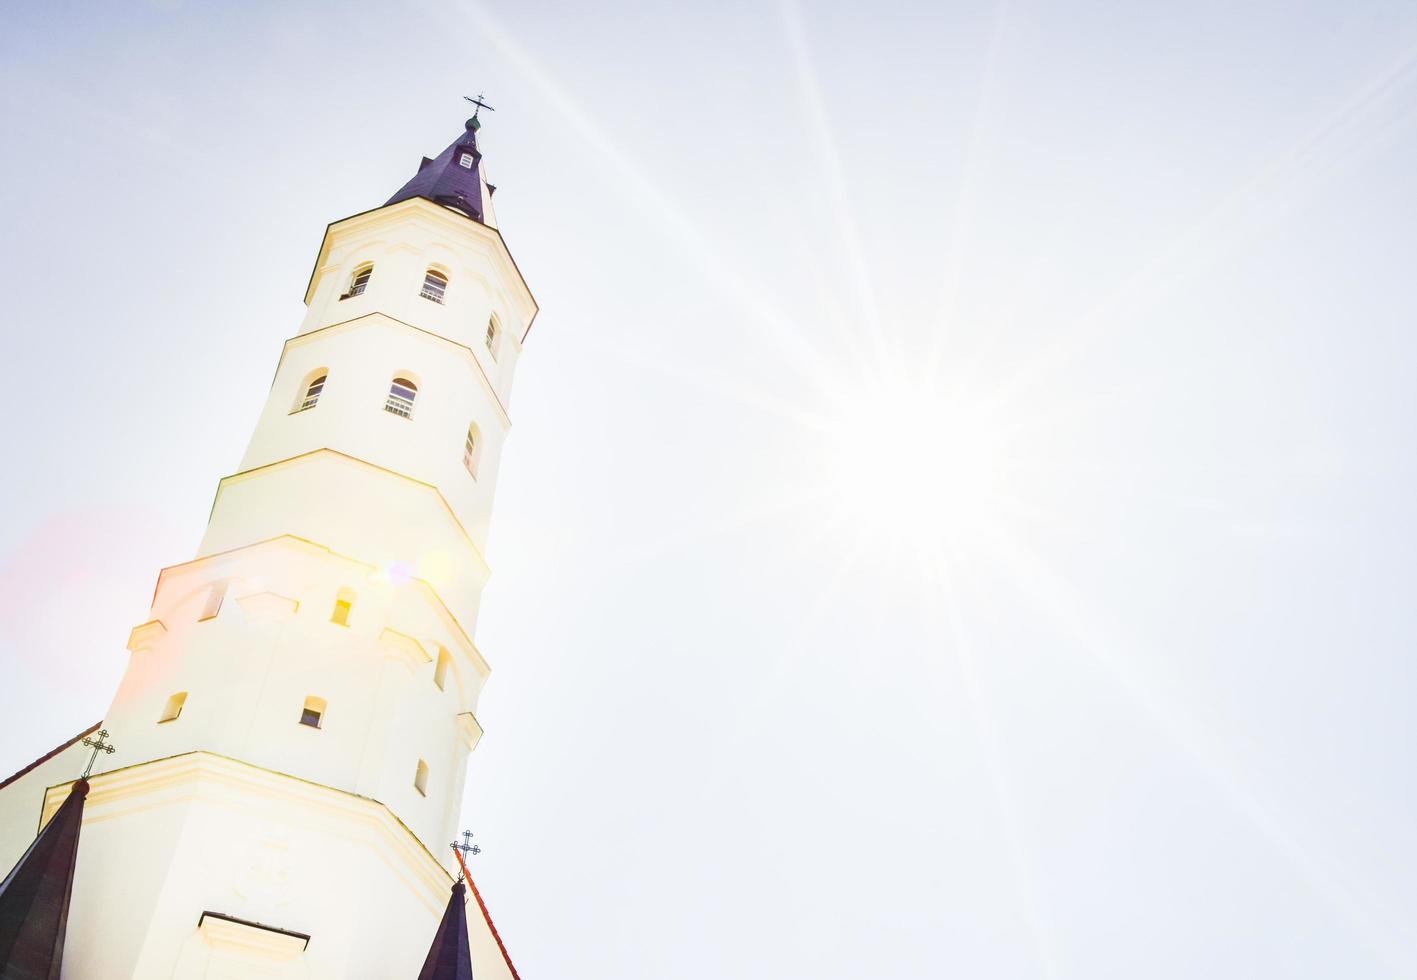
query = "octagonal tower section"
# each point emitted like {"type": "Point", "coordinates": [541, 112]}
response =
{"type": "Point", "coordinates": [324, 630]}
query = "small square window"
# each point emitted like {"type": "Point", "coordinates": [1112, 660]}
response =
{"type": "Point", "coordinates": [173, 709]}
{"type": "Point", "coordinates": [440, 672]}
{"type": "Point", "coordinates": [215, 594]}
{"type": "Point", "coordinates": [313, 713]}
{"type": "Point", "coordinates": [465, 161]}
{"type": "Point", "coordinates": [344, 602]}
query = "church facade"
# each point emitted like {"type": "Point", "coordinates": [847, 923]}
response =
{"type": "Point", "coordinates": [294, 723]}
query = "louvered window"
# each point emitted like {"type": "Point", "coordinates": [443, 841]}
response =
{"type": "Point", "coordinates": [359, 281]}
{"type": "Point", "coordinates": [469, 451]}
{"type": "Point", "coordinates": [312, 392]}
{"type": "Point", "coordinates": [402, 392]}
{"type": "Point", "coordinates": [435, 285]}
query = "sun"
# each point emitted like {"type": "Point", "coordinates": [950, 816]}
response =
{"type": "Point", "coordinates": [911, 459]}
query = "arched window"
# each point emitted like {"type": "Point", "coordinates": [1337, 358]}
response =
{"type": "Point", "coordinates": [173, 708]}
{"type": "Point", "coordinates": [440, 671]}
{"type": "Point", "coordinates": [313, 714]}
{"type": "Point", "coordinates": [435, 284]}
{"type": "Point", "coordinates": [310, 393]}
{"type": "Point", "coordinates": [420, 778]}
{"type": "Point", "coordinates": [402, 392]}
{"type": "Point", "coordinates": [344, 602]}
{"type": "Point", "coordinates": [471, 450]}
{"type": "Point", "coordinates": [359, 280]}
{"type": "Point", "coordinates": [492, 336]}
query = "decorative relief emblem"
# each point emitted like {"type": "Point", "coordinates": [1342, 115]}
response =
{"type": "Point", "coordinates": [265, 875]}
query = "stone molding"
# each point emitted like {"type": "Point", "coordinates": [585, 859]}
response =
{"type": "Point", "coordinates": [460, 641]}
{"type": "Point", "coordinates": [227, 931]}
{"type": "Point", "coordinates": [471, 729]}
{"type": "Point", "coordinates": [145, 635]}
{"type": "Point", "coordinates": [193, 776]}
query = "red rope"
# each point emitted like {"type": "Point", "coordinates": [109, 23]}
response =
{"type": "Point", "coordinates": [487, 916]}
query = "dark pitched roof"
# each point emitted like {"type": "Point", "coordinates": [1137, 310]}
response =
{"type": "Point", "coordinates": [51, 754]}
{"type": "Point", "coordinates": [444, 180]}
{"type": "Point", "coordinates": [34, 897]}
{"type": "Point", "coordinates": [449, 958]}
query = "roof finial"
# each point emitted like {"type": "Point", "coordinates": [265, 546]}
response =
{"type": "Point", "coordinates": [98, 745]}
{"type": "Point", "coordinates": [474, 124]}
{"type": "Point", "coordinates": [460, 851]}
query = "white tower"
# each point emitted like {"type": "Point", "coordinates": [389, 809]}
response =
{"type": "Point", "coordinates": [296, 716]}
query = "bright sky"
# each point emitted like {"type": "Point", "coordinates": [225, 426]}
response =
{"type": "Point", "coordinates": [958, 519]}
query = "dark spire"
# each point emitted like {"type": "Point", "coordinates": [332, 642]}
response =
{"type": "Point", "coordinates": [453, 178]}
{"type": "Point", "coordinates": [34, 897]}
{"type": "Point", "coordinates": [450, 958]}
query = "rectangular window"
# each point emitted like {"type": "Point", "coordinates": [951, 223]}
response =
{"type": "Point", "coordinates": [440, 670]}
{"type": "Point", "coordinates": [465, 161]}
{"type": "Point", "coordinates": [173, 709]}
{"type": "Point", "coordinates": [313, 713]}
{"type": "Point", "coordinates": [469, 454]}
{"type": "Point", "coordinates": [215, 594]}
{"type": "Point", "coordinates": [340, 616]}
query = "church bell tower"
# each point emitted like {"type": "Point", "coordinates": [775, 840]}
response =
{"type": "Point", "coordinates": [297, 713]}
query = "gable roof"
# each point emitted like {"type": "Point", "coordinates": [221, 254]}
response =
{"type": "Point", "coordinates": [34, 897]}
{"type": "Point", "coordinates": [51, 754]}
{"type": "Point", "coordinates": [453, 178]}
{"type": "Point", "coordinates": [449, 958]}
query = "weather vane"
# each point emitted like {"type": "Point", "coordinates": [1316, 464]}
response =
{"type": "Point", "coordinates": [98, 745]}
{"type": "Point", "coordinates": [461, 851]}
{"type": "Point", "coordinates": [479, 103]}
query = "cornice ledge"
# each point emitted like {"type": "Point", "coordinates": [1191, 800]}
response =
{"type": "Point", "coordinates": [326, 454]}
{"type": "Point", "coordinates": [425, 209]}
{"type": "Point", "coordinates": [461, 640]}
{"type": "Point", "coordinates": [471, 729]}
{"type": "Point", "coordinates": [145, 635]}
{"type": "Point", "coordinates": [190, 770]}
{"type": "Point", "coordinates": [380, 318]}
{"type": "Point", "coordinates": [227, 931]}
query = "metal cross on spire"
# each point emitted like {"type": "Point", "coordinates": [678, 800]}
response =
{"type": "Point", "coordinates": [461, 851]}
{"type": "Point", "coordinates": [479, 103]}
{"type": "Point", "coordinates": [98, 745]}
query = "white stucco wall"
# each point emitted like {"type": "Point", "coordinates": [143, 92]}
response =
{"type": "Point", "coordinates": [234, 806]}
{"type": "Point", "coordinates": [402, 242]}
{"type": "Point", "coordinates": [247, 672]}
{"type": "Point", "coordinates": [164, 842]}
